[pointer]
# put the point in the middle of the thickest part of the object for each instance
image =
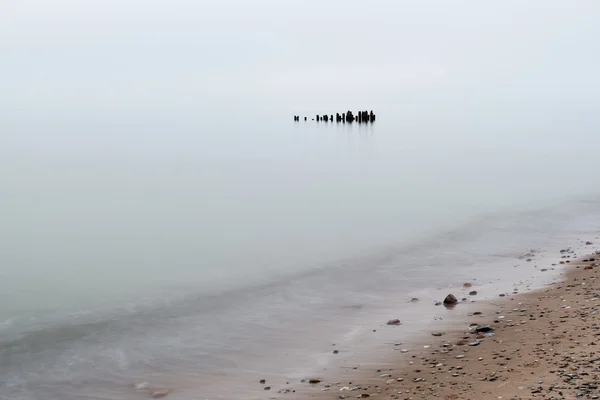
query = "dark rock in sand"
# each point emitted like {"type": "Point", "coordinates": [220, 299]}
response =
{"type": "Point", "coordinates": [450, 300]}
{"type": "Point", "coordinates": [484, 328]}
{"type": "Point", "coordinates": [467, 284]}
{"type": "Point", "coordinates": [414, 300]}
{"type": "Point", "coordinates": [473, 293]}
{"type": "Point", "coordinates": [588, 243]}
{"type": "Point", "coordinates": [336, 351]}
{"type": "Point", "coordinates": [263, 381]}
{"type": "Point", "coordinates": [268, 388]}
{"type": "Point", "coordinates": [393, 322]}
{"type": "Point", "coordinates": [314, 381]}
{"type": "Point", "coordinates": [438, 303]}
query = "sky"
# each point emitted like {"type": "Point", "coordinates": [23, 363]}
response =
{"type": "Point", "coordinates": [106, 57]}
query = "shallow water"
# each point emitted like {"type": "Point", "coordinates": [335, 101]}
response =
{"type": "Point", "coordinates": [201, 257]}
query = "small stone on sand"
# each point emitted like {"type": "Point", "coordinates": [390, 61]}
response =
{"type": "Point", "coordinates": [159, 394]}
{"type": "Point", "coordinates": [450, 300]}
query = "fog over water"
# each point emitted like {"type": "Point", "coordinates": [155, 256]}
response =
{"type": "Point", "coordinates": [162, 216]}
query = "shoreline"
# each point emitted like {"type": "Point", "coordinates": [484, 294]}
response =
{"type": "Point", "coordinates": [539, 345]}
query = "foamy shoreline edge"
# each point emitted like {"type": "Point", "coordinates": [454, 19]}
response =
{"type": "Point", "coordinates": [436, 372]}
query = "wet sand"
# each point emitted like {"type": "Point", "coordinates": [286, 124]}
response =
{"type": "Point", "coordinates": [542, 344]}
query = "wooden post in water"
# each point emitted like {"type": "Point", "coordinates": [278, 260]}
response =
{"type": "Point", "coordinates": [349, 116]}
{"type": "Point", "coordinates": [361, 117]}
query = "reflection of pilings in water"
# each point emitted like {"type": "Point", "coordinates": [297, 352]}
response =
{"type": "Point", "coordinates": [361, 117]}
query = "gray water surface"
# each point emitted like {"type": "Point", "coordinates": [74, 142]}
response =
{"type": "Point", "coordinates": [187, 253]}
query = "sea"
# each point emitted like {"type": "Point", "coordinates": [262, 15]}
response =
{"type": "Point", "coordinates": [201, 255]}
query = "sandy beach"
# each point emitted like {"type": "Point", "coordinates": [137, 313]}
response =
{"type": "Point", "coordinates": [540, 344]}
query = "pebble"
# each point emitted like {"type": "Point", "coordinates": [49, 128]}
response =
{"type": "Point", "coordinates": [450, 300]}
{"type": "Point", "coordinates": [159, 394]}
{"type": "Point", "coordinates": [142, 385]}
{"type": "Point", "coordinates": [484, 328]}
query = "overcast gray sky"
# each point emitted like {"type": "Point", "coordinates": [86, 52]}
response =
{"type": "Point", "coordinates": [65, 56]}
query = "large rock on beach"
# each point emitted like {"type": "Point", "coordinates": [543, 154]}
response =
{"type": "Point", "coordinates": [450, 300]}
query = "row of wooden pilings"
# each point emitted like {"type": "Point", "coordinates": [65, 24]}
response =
{"type": "Point", "coordinates": [348, 116]}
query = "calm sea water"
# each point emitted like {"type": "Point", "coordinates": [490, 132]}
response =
{"type": "Point", "coordinates": [193, 255]}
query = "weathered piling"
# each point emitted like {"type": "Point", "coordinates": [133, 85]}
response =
{"type": "Point", "coordinates": [361, 117]}
{"type": "Point", "coordinates": [349, 116]}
